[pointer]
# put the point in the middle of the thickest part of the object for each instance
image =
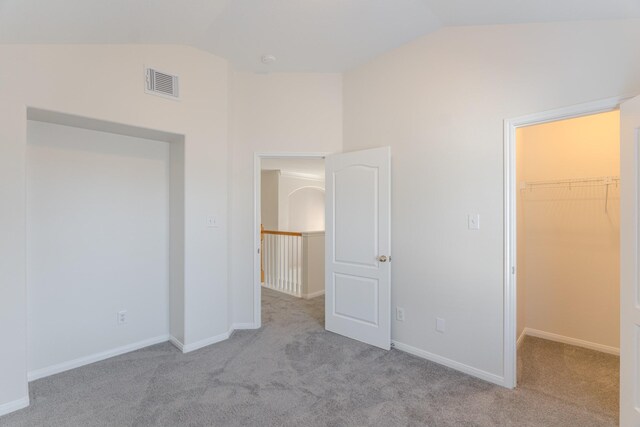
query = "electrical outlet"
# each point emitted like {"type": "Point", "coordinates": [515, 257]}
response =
{"type": "Point", "coordinates": [122, 317]}
{"type": "Point", "coordinates": [400, 314]}
{"type": "Point", "coordinates": [211, 221]}
{"type": "Point", "coordinates": [440, 324]}
{"type": "Point", "coordinates": [473, 221]}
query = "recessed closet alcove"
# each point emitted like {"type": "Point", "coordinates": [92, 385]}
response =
{"type": "Point", "coordinates": [105, 239]}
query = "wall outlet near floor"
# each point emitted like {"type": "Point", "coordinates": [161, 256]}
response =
{"type": "Point", "coordinates": [440, 324]}
{"type": "Point", "coordinates": [400, 314]}
{"type": "Point", "coordinates": [122, 317]}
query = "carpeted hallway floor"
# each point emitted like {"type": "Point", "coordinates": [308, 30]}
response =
{"type": "Point", "coordinates": [293, 373]}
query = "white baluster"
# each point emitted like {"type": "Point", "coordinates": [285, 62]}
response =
{"type": "Point", "coordinates": [280, 263]}
{"type": "Point", "coordinates": [265, 256]}
{"type": "Point", "coordinates": [285, 263]}
{"type": "Point", "coordinates": [295, 265]}
{"type": "Point", "coordinates": [300, 261]}
{"type": "Point", "coordinates": [298, 251]}
{"type": "Point", "coordinates": [272, 265]}
{"type": "Point", "coordinates": [268, 263]}
{"type": "Point", "coordinates": [271, 255]}
{"type": "Point", "coordinates": [289, 278]}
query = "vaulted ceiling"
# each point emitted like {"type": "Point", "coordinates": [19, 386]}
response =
{"type": "Point", "coordinates": [303, 35]}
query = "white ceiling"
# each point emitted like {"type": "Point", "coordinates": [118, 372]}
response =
{"type": "Point", "coordinates": [304, 35]}
{"type": "Point", "coordinates": [490, 12]}
{"type": "Point", "coordinates": [309, 167]}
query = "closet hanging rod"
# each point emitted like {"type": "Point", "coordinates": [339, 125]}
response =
{"type": "Point", "coordinates": [571, 183]}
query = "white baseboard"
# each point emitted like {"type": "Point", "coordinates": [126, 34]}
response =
{"type": "Point", "coordinates": [239, 326]}
{"type": "Point", "coordinates": [12, 406]}
{"type": "Point", "coordinates": [282, 291]}
{"type": "Point", "coordinates": [572, 341]}
{"type": "Point", "coordinates": [305, 296]}
{"type": "Point", "coordinates": [313, 294]}
{"type": "Point", "coordinates": [176, 343]}
{"type": "Point", "coordinates": [97, 357]}
{"type": "Point", "coordinates": [187, 348]}
{"type": "Point", "coordinates": [76, 363]}
{"type": "Point", "coordinates": [521, 338]}
{"type": "Point", "coordinates": [470, 370]}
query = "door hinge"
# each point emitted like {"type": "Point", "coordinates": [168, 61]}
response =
{"type": "Point", "coordinates": [258, 250]}
{"type": "Point", "coordinates": [513, 270]}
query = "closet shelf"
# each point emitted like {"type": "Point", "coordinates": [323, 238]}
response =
{"type": "Point", "coordinates": [571, 183]}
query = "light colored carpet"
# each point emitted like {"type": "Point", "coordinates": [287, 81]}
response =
{"type": "Point", "coordinates": [293, 373]}
{"type": "Point", "coordinates": [581, 377]}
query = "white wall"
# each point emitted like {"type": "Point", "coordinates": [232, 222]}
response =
{"type": "Point", "coordinates": [291, 202]}
{"type": "Point", "coordinates": [440, 102]}
{"type": "Point", "coordinates": [106, 82]}
{"type": "Point", "coordinates": [306, 209]}
{"type": "Point", "coordinates": [313, 264]}
{"type": "Point", "coordinates": [269, 199]}
{"type": "Point", "coordinates": [272, 113]}
{"type": "Point", "coordinates": [570, 244]}
{"type": "Point", "coordinates": [97, 242]}
{"type": "Point", "coordinates": [300, 203]}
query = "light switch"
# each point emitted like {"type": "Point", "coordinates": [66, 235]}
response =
{"type": "Point", "coordinates": [211, 221]}
{"type": "Point", "coordinates": [474, 221]}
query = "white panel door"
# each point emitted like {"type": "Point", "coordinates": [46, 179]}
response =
{"type": "Point", "coordinates": [358, 245]}
{"type": "Point", "coordinates": [629, 264]}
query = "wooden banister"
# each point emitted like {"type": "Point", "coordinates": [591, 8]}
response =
{"type": "Point", "coordinates": [282, 233]}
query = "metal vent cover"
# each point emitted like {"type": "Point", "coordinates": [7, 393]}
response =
{"type": "Point", "coordinates": [160, 83]}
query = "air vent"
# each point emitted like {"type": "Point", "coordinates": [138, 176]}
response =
{"type": "Point", "coordinates": [163, 84]}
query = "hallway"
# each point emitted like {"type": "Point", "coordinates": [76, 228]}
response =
{"type": "Point", "coordinates": [292, 373]}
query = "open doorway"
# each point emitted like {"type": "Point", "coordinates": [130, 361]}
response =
{"type": "Point", "coordinates": [292, 230]}
{"type": "Point", "coordinates": [567, 259]}
{"type": "Point", "coordinates": [292, 194]}
{"type": "Point", "coordinates": [357, 251]}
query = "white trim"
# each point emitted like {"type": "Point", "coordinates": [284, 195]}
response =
{"type": "Point", "coordinates": [300, 175]}
{"type": "Point", "coordinates": [304, 188]}
{"type": "Point", "coordinates": [188, 348]}
{"type": "Point", "coordinates": [475, 372]}
{"type": "Point", "coordinates": [176, 342]}
{"type": "Point", "coordinates": [572, 341]}
{"type": "Point", "coordinates": [510, 301]}
{"type": "Point", "coordinates": [101, 125]}
{"type": "Point", "coordinates": [14, 405]}
{"type": "Point", "coordinates": [257, 285]}
{"type": "Point", "coordinates": [184, 348]}
{"type": "Point", "coordinates": [241, 326]}
{"type": "Point", "coordinates": [313, 294]}
{"type": "Point", "coordinates": [257, 222]}
{"type": "Point", "coordinates": [521, 338]}
{"type": "Point", "coordinates": [97, 357]}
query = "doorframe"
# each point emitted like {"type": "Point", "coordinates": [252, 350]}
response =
{"type": "Point", "coordinates": [257, 182]}
{"type": "Point", "coordinates": [510, 189]}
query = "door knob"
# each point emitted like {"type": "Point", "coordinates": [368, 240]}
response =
{"type": "Point", "coordinates": [382, 258]}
